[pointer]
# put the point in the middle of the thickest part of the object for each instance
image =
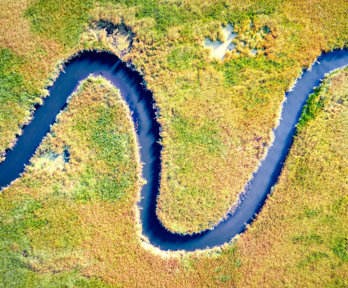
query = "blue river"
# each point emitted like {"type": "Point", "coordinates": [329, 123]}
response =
{"type": "Point", "coordinates": [142, 105]}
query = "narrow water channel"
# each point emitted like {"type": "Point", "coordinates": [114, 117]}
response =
{"type": "Point", "coordinates": [141, 104]}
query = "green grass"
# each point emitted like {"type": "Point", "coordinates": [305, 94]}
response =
{"type": "Point", "coordinates": [314, 105]}
{"type": "Point", "coordinates": [182, 58]}
{"type": "Point", "coordinates": [240, 96]}
{"type": "Point", "coordinates": [76, 227]}
{"type": "Point", "coordinates": [39, 232]}
{"type": "Point", "coordinates": [60, 20]}
{"type": "Point", "coordinates": [16, 253]}
{"type": "Point", "coordinates": [306, 210]}
{"type": "Point", "coordinates": [16, 96]}
{"type": "Point", "coordinates": [12, 84]}
{"type": "Point", "coordinates": [112, 149]}
{"type": "Point", "coordinates": [234, 70]}
{"type": "Point", "coordinates": [65, 20]}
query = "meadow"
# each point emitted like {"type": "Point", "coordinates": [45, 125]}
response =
{"type": "Point", "coordinates": [71, 222]}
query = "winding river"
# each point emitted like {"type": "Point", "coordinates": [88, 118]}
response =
{"type": "Point", "coordinates": [141, 104]}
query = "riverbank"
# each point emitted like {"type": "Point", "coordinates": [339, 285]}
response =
{"type": "Point", "coordinates": [60, 229]}
{"type": "Point", "coordinates": [221, 138]}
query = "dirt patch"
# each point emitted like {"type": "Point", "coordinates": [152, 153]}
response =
{"type": "Point", "coordinates": [120, 35]}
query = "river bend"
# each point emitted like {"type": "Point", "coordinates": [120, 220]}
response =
{"type": "Point", "coordinates": [140, 102]}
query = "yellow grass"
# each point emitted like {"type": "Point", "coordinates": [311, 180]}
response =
{"type": "Point", "coordinates": [216, 119]}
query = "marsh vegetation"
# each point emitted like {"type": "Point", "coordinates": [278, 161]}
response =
{"type": "Point", "coordinates": [76, 227]}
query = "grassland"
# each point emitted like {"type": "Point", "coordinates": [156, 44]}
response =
{"type": "Point", "coordinates": [73, 223]}
{"type": "Point", "coordinates": [62, 227]}
{"type": "Point", "coordinates": [205, 138]}
{"type": "Point", "coordinates": [308, 235]}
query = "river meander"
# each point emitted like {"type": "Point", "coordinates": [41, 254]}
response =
{"type": "Point", "coordinates": [142, 105]}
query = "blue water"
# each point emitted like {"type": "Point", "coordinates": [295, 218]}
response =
{"type": "Point", "coordinates": [141, 103]}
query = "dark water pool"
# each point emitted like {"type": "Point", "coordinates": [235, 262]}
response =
{"type": "Point", "coordinates": [141, 104]}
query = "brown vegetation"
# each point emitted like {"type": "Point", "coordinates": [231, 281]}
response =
{"type": "Point", "coordinates": [56, 224]}
{"type": "Point", "coordinates": [67, 228]}
{"type": "Point", "coordinates": [211, 144]}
